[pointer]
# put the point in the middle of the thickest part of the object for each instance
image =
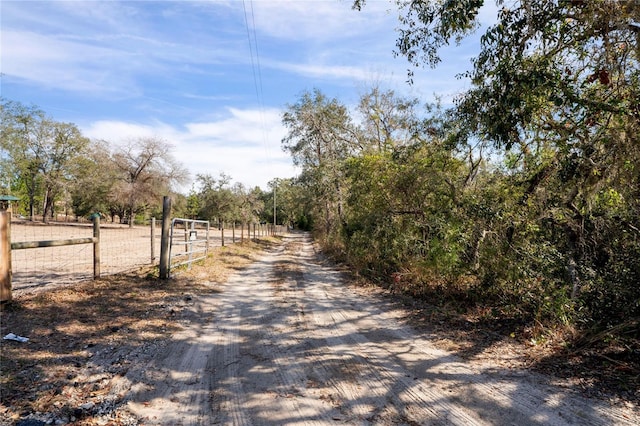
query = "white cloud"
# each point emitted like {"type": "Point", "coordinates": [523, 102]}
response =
{"type": "Point", "coordinates": [119, 132]}
{"type": "Point", "coordinates": [316, 20]}
{"type": "Point", "coordinates": [63, 64]}
{"type": "Point", "coordinates": [113, 15]}
{"type": "Point", "coordinates": [108, 49]}
{"type": "Point", "coordinates": [320, 70]}
{"type": "Point", "coordinates": [245, 144]}
{"type": "Point", "coordinates": [38, 46]}
{"type": "Point", "coordinates": [241, 127]}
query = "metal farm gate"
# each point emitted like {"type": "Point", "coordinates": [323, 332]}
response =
{"type": "Point", "coordinates": [189, 241]}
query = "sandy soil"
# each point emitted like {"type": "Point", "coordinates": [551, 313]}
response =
{"type": "Point", "coordinates": [287, 343]}
{"type": "Point", "coordinates": [284, 341]}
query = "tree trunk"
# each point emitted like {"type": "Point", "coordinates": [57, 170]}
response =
{"type": "Point", "coordinates": [45, 206]}
{"type": "Point", "coordinates": [131, 216]}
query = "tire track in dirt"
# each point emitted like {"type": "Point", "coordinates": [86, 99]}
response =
{"type": "Point", "coordinates": [259, 360]}
{"type": "Point", "coordinates": [426, 381]}
{"type": "Point", "coordinates": [287, 342]}
{"type": "Point", "coordinates": [175, 389]}
{"type": "Point", "coordinates": [372, 387]}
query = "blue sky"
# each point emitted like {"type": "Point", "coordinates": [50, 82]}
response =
{"type": "Point", "coordinates": [210, 77]}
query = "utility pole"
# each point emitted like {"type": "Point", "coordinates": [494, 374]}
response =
{"type": "Point", "coordinates": [275, 184]}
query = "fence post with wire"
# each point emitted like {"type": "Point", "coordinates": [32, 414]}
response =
{"type": "Point", "coordinates": [5, 247]}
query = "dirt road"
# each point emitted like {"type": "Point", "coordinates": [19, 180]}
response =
{"type": "Point", "coordinates": [287, 343]}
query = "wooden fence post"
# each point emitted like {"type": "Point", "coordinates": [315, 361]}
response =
{"type": "Point", "coordinates": [153, 240]}
{"type": "Point", "coordinates": [164, 240]}
{"type": "Point", "coordinates": [5, 255]}
{"type": "Point", "coordinates": [96, 246]}
{"type": "Point", "coordinates": [222, 233]}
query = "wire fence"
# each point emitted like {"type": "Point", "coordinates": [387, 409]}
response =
{"type": "Point", "coordinates": [122, 249]}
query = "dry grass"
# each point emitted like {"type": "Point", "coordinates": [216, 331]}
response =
{"type": "Point", "coordinates": [82, 336]}
{"type": "Point", "coordinates": [82, 339]}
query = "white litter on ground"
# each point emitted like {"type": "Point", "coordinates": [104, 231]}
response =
{"type": "Point", "coordinates": [17, 338]}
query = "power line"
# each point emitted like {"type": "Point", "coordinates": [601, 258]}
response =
{"type": "Point", "coordinates": [253, 65]}
{"type": "Point", "coordinates": [255, 40]}
{"type": "Point", "coordinates": [257, 73]}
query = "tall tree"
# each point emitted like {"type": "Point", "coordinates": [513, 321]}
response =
{"type": "Point", "coordinates": [93, 181]}
{"type": "Point", "coordinates": [216, 198]}
{"type": "Point", "coordinates": [555, 89]}
{"type": "Point", "coordinates": [556, 85]}
{"type": "Point", "coordinates": [61, 153]}
{"type": "Point", "coordinates": [291, 203]}
{"type": "Point", "coordinates": [249, 204]}
{"type": "Point", "coordinates": [147, 169]}
{"type": "Point", "coordinates": [387, 119]}
{"type": "Point", "coordinates": [20, 130]}
{"type": "Point", "coordinates": [42, 153]}
{"type": "Point", "coordinates": [321, 136]}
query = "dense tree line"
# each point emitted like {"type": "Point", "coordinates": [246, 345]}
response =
{"type": "Point", "coordinates": [524, 196]}
{"type": "Point", "coordinates": [223, 202]}
{"type": "Point", "coordinates": [56, 169]}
